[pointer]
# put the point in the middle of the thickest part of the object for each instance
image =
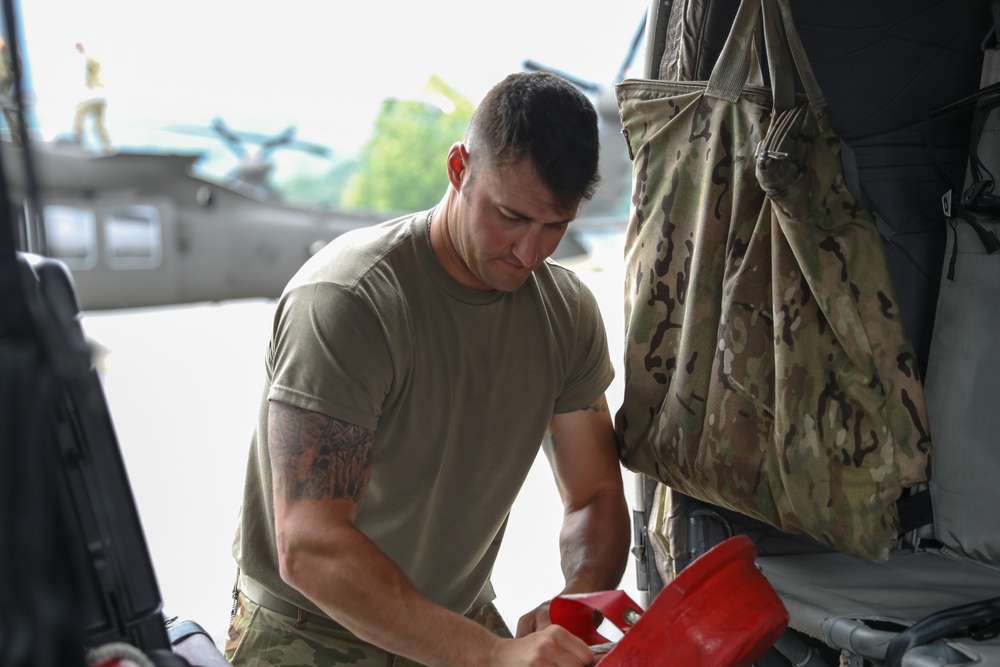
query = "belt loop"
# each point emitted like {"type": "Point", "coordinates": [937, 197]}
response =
{"type": "Point", "coordinates": [301, 619]}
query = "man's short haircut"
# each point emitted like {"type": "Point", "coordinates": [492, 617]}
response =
{"type": "Point", "coordinates": [544, 117]}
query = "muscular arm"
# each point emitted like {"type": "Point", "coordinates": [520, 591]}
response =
{"type": "Point", "coordinates": [595, 535]}
{"type": "Point", "coordinates": [320, 468]}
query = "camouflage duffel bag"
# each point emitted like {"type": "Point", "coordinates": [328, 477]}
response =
{"type": "Point", "coordinates": [767, 368]}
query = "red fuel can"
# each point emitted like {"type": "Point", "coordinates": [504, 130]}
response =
{"type": "Point", "coordinates": [719, 612]}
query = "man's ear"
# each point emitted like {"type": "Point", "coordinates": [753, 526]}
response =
{"type": "Point", "coordinates": [458, 162]}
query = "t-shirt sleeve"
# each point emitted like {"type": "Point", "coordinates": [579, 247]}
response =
{"type": "Point", "coordinates": [590, 368]}
{"type": "Point", "coordinates": [329, 354]}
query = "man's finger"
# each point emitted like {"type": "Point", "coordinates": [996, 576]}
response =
{"type": "Point", "coordinates": [525, 625]}
{"type": "Point", "coordinates": [572, 644]}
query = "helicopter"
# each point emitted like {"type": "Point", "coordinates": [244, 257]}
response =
{"type": "Point", "coordinates": [139, 228]}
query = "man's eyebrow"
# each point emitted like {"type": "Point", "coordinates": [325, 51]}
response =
{"type": "Point", "coordinates": [514, 213]}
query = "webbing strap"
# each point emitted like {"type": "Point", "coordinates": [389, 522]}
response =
{"type": "Point", "coordinates": [16, 316]}
{"type": "Point", "coordinates": [973, 197]}
{"type": "Point", "coordinates": [979, 620]}
{"type": "Point", "coordinates": [915, 510]}
{"type": "Point", "coordinates": [15, 320]}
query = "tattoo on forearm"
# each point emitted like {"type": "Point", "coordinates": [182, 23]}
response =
{"type": "Point", "coordinates": [315, 457]}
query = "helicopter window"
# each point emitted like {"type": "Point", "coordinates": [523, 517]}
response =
{"type": "Point", "coordinates": [71, 234]}
{"type": "Point", "coordinates": [132, 237]}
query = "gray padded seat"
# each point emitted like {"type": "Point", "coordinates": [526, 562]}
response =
{"type": "Point", "coordinates": [857, 605]}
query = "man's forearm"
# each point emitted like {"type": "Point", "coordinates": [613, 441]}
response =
{"type": "Point", "coordinates": [368, 594]}
{"type": "Point", "coordinates": [320, 468]}
{"type": "Point", "coordinates": [594, 543]}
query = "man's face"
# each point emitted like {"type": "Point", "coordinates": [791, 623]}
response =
{"type": "Point", "coordinates": [508, 224]}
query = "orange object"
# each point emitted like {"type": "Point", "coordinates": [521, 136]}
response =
{"type": "Point", "coordinates": [719, 612]}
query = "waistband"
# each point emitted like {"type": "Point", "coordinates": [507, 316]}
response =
{"type": "Point", "coordinates": [268, 600]}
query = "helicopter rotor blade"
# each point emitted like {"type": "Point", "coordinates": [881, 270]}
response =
{"type": "Point", "coordinates": [308, 147]}
{"type": "Point", "coordinates": [633, 47]}
{"type": "Point", "coordinates": [286, 137]}
{"type": "Point", "coordinates": [233, 141]}
{"type": "Point", "coordinates": [236, 140]}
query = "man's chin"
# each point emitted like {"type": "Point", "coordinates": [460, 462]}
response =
{"type": "Point", "coordinates": [512, 281]}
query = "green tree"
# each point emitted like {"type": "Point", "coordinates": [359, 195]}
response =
{"type": "Point", "coordinates": [402, 166]}
{"type": "Point", "coordinates": [309, 188]}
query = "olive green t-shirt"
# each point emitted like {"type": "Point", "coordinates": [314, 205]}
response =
{"type": "Point", "coordinates": [458, 384]}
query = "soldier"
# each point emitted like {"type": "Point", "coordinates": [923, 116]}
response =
{"type": "Point", "coordinates": [413, 371]}
{"type": "Point", "coordinates": [7, 89]}
{"type": "Point", "coordinates": [94, 102]}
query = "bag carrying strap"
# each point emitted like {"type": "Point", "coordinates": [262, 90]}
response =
{"type": "Point", "coordinates": [794, 44]}
{"type": "Point", "coordinates": [733, 67]}
{"type": "Point", "coordinates": [978, 620]}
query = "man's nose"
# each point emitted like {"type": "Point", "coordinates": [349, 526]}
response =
{"type": "Point", "coordinates": [528, 245]}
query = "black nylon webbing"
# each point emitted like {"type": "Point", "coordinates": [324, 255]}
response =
{"type": "Point", "coordinates": [979, 620]}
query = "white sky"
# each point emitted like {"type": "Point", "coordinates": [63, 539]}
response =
{"type": "Point", "coordinates": [321, 64]}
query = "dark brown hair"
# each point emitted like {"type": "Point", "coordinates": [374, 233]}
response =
{"type": "Point", "coordinates": [546, 118]}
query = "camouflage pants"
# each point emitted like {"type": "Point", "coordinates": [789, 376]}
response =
{"type": "Point", "coordinates": [259, 636]}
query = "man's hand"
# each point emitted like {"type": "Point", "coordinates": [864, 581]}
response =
{"type": "Point", "coordinates": [553, 646]}
{"type": "Point", "coordinates": [535, 620]}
